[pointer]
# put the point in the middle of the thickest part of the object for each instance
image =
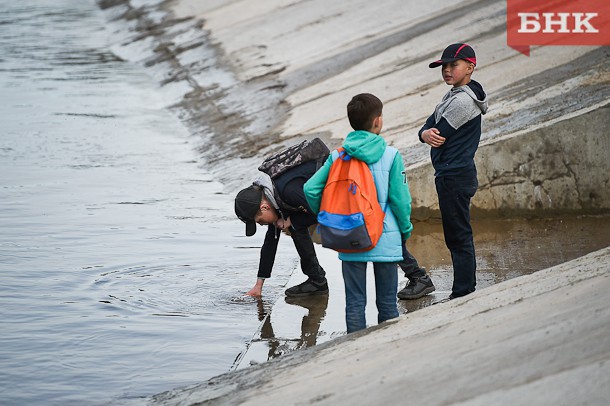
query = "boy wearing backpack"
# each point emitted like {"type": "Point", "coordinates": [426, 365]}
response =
{"type": "Point", "coordinates": [364, 112]}
{"type": "Point", "coordinates": [281, 205]}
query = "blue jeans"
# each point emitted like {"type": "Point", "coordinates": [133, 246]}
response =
{"type": "Point", "coordinates": [454, 194]}
{"type": "Point", "coordinates": [386, 286]}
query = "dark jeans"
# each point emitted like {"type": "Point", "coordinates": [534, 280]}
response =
{"type": "Point", "coordinates": [454, 194]}
{"type": "Point", "coordinates": [409, 264]}
{"type": "Point", "coordinates": [309, 261]}
{"type": "Point", "coordinates": [386, 285]}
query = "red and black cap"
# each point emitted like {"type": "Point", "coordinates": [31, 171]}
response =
{"type": "Point", "coordinates": [247, 205]}
{"type": "Point", "coordinates": [454, 52]}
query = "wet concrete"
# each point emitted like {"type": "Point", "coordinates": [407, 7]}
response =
{"type": "Point", "coordinates": [505, 249]}
{"type": "Point", "coordinates": [539, 339]}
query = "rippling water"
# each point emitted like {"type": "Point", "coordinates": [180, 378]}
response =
{"type": "Point", "coordinates": [122, 266]}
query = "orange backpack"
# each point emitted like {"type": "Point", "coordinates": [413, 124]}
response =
{"type": "Point", "coordinates": [350, 217]}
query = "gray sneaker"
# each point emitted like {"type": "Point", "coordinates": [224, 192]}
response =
{"type": "Point", "coordinates": [308, 288]}
{"type": "Point", "coordinates": [416, 288]}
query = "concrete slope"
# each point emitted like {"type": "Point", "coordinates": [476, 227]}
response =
{"type": "Point", "coordinates": [540, 339]}
{"type": "Point", "coordinates": [250, 77]}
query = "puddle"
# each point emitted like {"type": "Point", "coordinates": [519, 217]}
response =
{"type": "Point", "coordinates": [505, 249]}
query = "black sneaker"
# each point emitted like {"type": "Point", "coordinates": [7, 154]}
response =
{"type": "Point", "coordinates": [416, 288]}
{"type": "Point", "coordinates": [308, 288]}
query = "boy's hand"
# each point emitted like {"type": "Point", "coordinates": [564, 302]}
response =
{"type": "Point", "coordinates": [283, 224]}
{"type": "Point", "coordinates": [432, 137]}
{"type": "Point", "coordinates": [257, 289]}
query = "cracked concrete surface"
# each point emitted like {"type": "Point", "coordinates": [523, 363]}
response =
{"type": "Point", "coordinates": [561, 167]}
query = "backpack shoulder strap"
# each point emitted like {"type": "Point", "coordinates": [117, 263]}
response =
{"type": "Point", "coordinates": [336, 152]}
{"type": "Point", "coordinates": [285, 206]}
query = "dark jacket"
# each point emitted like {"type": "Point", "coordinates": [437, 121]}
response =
{"type": "Point", "coordinates": [458, 119]}
{"type": "Point", "coordinates": [291, 202]}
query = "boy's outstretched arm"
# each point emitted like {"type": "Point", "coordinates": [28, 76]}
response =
{"type": "Point", "coordinates": [257, 289]}
{"type": "Point", "coordinates": [266, 260]}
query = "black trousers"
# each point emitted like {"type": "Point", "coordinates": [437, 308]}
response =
{"type": "Point", "coordinates": [309, 261]}
{"type": "Point", "coordinates": [409, 264]}
{"type": "Point", "coordinates": [454, 194]}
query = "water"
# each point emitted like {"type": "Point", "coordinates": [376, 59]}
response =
{"type": "Point", "coordinates": [122, 266]}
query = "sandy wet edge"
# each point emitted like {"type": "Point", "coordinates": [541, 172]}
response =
{"type": "Point", "coordinates": [537, 339]}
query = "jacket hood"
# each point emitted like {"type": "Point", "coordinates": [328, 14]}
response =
{"type": "Point", "coordinates": [265, 182]}
{"type": "Point", "coordinates": [475, 90]}
{"type": "Point", "coordinates": [365, 146]}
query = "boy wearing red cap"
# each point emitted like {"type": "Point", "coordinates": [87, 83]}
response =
{"type": "Point", "coordinates": [453, 132]}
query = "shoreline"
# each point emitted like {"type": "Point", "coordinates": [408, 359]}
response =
{"type": "Point", "coordinates": [536, 339]}
{"type": "Point", "coordinates": [505, 250]}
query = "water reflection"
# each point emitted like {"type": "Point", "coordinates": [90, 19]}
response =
{"type": "Point", "coordinates": [271, 343]}
{"type": "Point", "coordinates": [310, 324]}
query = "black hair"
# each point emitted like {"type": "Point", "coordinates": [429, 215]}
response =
{"type": "Point", "coordinates": [362, 110]}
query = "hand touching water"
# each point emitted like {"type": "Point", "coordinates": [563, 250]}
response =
{"type": "Point", "coordinates": [257, 289]}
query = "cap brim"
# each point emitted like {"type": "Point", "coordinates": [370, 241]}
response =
{"type": "Point", "coordinates": [442, 61]}
{"type": "Point", "coordinates": [250, 228]}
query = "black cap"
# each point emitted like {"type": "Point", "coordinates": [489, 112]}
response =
{"type": "Point", "coordinates": [455, 52]}
{"type": "Point", "coordinates": [247, 204]}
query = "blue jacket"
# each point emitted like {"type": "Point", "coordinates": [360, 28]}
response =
{"type": "Point", "coordinates": [388, 172]}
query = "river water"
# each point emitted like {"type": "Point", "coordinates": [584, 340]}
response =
{"type": "Point", "coordinates": [122, 266]}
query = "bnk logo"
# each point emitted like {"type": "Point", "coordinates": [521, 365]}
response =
{"type": "Point", "coordinates": [557, 22]}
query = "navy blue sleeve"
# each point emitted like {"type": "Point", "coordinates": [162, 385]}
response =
{"type": "Point", "coordinates": [429, 124]}
{"type": "Point", "coordinates": [442, 126]}
{"type": "Point", "coordinates": [268, 251]}
{"type": "Point", "coordinates": [445, 128]}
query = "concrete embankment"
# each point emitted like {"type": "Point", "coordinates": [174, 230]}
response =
{"type": "Point", "coordinates": [548, 169]}
{"type": "Point", "coordinates": [540, 339]}
{"type": "Point", "coordinates": [251, 78]}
